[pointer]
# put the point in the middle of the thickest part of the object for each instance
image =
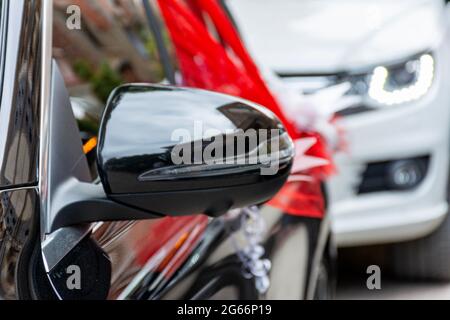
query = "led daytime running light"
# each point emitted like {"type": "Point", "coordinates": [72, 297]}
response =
{"type": "Point", "coordinates": [380, 75]}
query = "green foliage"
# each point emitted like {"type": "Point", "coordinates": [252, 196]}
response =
{"type": "Point", "coordinates": [102, 80]}
{"type": "Point", "coordinates": [150, 44]}
{"type": "Point", "coordinates": [83, 69]}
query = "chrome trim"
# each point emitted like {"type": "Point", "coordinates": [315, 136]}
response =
{"type": "Point", "coordinates": [18, 188]}
{"type": "Point", "coordinates": [46, 62]}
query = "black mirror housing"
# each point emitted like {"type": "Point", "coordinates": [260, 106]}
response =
{"type": "Point", "coordinates": [166, 151]}
{"type": "Point", "coordinates": [175, 151]}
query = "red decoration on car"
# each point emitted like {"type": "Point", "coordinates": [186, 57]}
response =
{"type": "Point", "coordinates": [212, 56]}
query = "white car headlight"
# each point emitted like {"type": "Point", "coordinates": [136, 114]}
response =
{"type": "Point", "coordinates": [402, 83]}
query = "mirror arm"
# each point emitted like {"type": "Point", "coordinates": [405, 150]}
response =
{"type": "Point", "coordinates": [79, 202]}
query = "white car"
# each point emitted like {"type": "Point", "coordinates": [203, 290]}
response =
{"type": "Point", "coordinates": [392, 182]}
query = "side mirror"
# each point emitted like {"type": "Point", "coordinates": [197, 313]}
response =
{"type": "Point", "coordinates": [182, 151]}
{"type": "Point", "coordinates": [170, 151]}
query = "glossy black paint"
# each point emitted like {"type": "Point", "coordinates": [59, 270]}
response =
{"type": "Point", "coordinates": [96, 273]}
{"type": "Point", "coordinates": [141, 130]}
{"type": "Point", "coordinates": [213, 269]}
{"type": "Point", "coordinates": [19, 142]}
{"type": "Point", "coordinates": [19, 109]}
{"type": "Point", "coordinates": [18, 234]}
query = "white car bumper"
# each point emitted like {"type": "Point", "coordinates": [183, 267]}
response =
{"type": "Point", "coordinates": [400, 132]}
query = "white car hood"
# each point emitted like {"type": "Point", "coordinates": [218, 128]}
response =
{"type": "Point", "coordinates": [327, 36]}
